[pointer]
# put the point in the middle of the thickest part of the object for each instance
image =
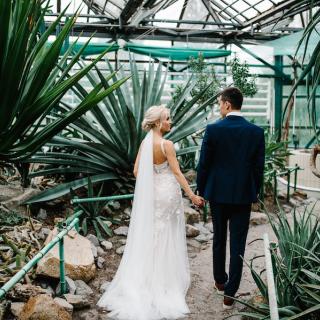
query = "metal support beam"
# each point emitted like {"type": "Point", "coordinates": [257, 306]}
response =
{"type": "Point", "coordinates": [285, 5]}
{"type": "Point", "coordinates": [131, 7]}
{"type": "Point", "coordinates": [213, 14]}
{"type": "Point", "coordinates": [278, 71]}
{"type": "Point", "coordinates": [278, 92]}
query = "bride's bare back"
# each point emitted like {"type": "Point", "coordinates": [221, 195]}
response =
{"type": "Point", "coordinates": [159, 154]}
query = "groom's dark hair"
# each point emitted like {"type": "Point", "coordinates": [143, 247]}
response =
{"type": "Point", "coordinates": [232, 95]}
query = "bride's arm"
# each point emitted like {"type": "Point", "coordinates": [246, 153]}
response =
{"type": "Point", "coordinates": [175, 168]}
{"type": "Point", "coordinates": [136, 164]}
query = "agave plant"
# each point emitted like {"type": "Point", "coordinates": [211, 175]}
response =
{"type": "Point", "coordinates": [295, 262]}
{"type": "Point", "coordinates": [276, 154]}
{"type": "Point", "coordinates": [92, 214]}
{"type": "Point", "coordinates": [111, 132]}
{"type": "Point", "coordinates": [33, 79]}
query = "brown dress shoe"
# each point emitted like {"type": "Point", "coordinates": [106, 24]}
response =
{"type": "Point", "coordinates": [228, 303]}
{"type": "Point", "coordinates": [219, 287]}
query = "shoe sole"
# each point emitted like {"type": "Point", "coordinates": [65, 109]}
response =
{"type": "Point", "coordinates": [225, 307]}
{"type": "Point", "coordinates": [217, 290]}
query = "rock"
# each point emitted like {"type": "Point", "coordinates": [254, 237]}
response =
{"type": "Point", "coordinates": [89, 315]}
{"type": "Point", "coordinates": [16, 308]}
{"type": "Point", "coordinates": [191, 176]}
{"type": "Point", "coordinates": [115, 205]}
{"type": "Point", "coordinates": [203, 230]}
{"type": "Point", "coordinates": [282, 195]}
{"type": "Point", "coordinates": [258, 218]}
{"type": "Point", "coordinates": [94, 250]}
{"type": "Point", "coordinates": [186, 202]}
{"type": "Point", "coordinates": [104, 286]}
{"type": "Point", "coordinates": [127, 211]}
{"type": "Point", "coordinates": [194, 244]}
{"type": "Point", "coordinates": [94, 240]}
{"type": "Point", "coordinates": [108, 223]}
{"type": "Point", "coordinates": [120, 250]}
{"type": "Point", "coordinates": [209, 226]}
{"type": "Point", "coordinates": [43, 307]}
{"type": "Point", "coordinates": [192, 216]}
{"type": "Point", "coordinates": [294, 202]}
{"type": "Point", "coordinates": [100, 262]}
{"type": "Point", "coordinates": [300, 194]}
{"type": "Point", "coordinates": [192, 231]}
{"type": "Point", "coordinates": [107, 245]}
{"type": "Point", "coordinates": [43, 233]}
{"type": "Point", "coordinates": [21, 198]}
{"type": "Point", "coordinates": [82, 288]}
{"type": "Point", "coordinates": [121, 231]}
{"type": "Point", "coordinates": [57, 220]}
{"type": "Point", "coordinates": [286, 208]}
{"type": "Point", "coordinates": [202, 238]}
{"type": "Point", "coordinates": [42, 215]}
{"type": "Point", "coordinates": [100, 251]}
{"type": "Point", "coordinates": [71, 286]}
{"type": "Point", "coordinates": [78, 302]}
{"type": "Point", "coordinates": [22, 292]}
{"type": "Point", "coordinates": [122, 241]}
{"type": "Point", "coordinates": [4, 306]}
{"type": "Point", "coordinates": [64, 304]}
{"type": "Point", "coordinates": [79, 260]}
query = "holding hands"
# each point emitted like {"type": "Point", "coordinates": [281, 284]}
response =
{"type": "Point", "coordinates": [197, 200]}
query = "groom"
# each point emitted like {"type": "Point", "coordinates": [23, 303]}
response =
{"type": "Point", "coordinates": [230, 175]}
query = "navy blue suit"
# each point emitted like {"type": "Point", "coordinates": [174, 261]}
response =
{"type": "Point", "coordinates": [230, 175]}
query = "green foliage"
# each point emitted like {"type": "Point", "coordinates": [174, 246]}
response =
{"type": "Point", "coordinates": [11, 218]}
{"type": "Point", "coordinates": [204, 76]}
{"type": "Point", "coordinates": [33, 79]}
{"type": "Point", "coordinates": [92, 214]}
{"type": "Point", "coordinates": [276, 154]}
{"type": "Point", "coordinates": [242, 78]}
{"type": "Point", "coordinates": [12, 263]}
{"type": "Point", "coordinates": [111, 132]}
{"type": "Point", "coordinates": [295, 260]}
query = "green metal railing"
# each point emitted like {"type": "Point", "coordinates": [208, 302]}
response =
{"type": "Point", "coordinates": [63, 228]}
{"type": "Point", "coordinates": [287, 172]}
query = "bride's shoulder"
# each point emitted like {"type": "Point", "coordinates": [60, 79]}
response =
{"type": "Point", "coordinates": [168, 143]}
{"type": "Point", "coordinates": [169, 146]}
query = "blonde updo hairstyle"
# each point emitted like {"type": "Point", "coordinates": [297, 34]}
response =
{"type": "Point", "coordinates": [154, 115]}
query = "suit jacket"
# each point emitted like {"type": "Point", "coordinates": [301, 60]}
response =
{"type": "Point", "coordinates": [231, 164]}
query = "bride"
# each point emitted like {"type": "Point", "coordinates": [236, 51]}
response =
{"type": "Point", "coordinates": [153, 277]}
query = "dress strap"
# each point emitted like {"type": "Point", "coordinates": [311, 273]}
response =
{"type": "Point", "coordinates": [162, 147]}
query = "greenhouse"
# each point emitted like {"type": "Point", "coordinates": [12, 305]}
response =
{"type": "Point", "coordinates": [159, 159]}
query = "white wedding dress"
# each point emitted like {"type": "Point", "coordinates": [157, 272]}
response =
{"type": "Point", "coordinates": [153, 277]}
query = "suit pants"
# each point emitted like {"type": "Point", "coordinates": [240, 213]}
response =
{"type": "Point", "coordinates": [238, 216]}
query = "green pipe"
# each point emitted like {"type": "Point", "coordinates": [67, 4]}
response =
{"type": "Point", "coordinates": [19, 275]}
{"type": "Point", "coordinates": [63, 288]}
{"type": "Point", "coordinates": [109, 198]}
{"type": "Point", "coordinates": [288, 186]}
{"type": "Point", "coordinates": [205, 213]}
{"type": "Point", "coordinates": [295, 176]}
{"type": "Point", "coordinates": [275, 187]}
{"type": "Point", "coordinates": [77, 214]}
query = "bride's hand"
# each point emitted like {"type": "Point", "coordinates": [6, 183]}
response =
{"type": "Point", "coordinates": [197, 200]}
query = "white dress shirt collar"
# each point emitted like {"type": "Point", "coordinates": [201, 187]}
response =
{"type": "Point", "coordinates": [235, 113]}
